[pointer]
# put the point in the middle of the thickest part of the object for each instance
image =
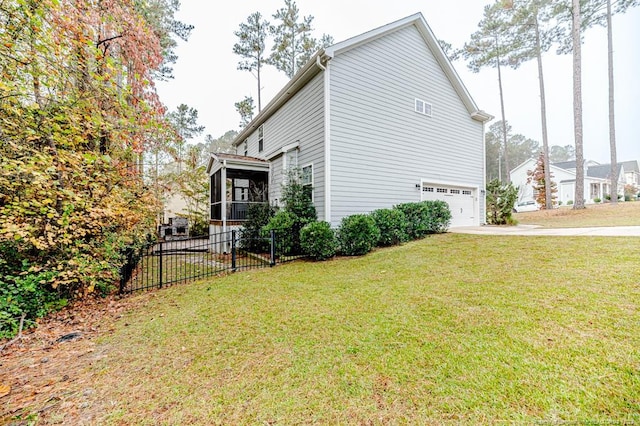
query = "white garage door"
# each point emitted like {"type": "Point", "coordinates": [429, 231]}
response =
{"type": "Point", "coordinates": [461, 201]}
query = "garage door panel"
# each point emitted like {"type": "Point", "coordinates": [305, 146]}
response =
{"type": "Point", "coordinates": [461, 202]}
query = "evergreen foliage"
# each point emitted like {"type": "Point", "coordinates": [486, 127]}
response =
{"type": "Point", "coordinates": [500, 201]}
{"type": "Point", "coordinates": [392, 224]}
{"type": "Point", "coordinates": [318, 240]}
{"type": "Point", "coordinates": [357, 235]}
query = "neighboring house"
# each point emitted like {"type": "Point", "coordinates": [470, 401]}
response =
{"type": "Point", "coordinates": [376, 120]}
{"type": "Point", "coordinates": [597, 180]}
{"type": "Point", "coordinates": [631, 173]}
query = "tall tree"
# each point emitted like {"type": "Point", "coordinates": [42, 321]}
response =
{"type": "Point", "coordinates": [245, 108]}
{"type": "Point", "coordinates": [532, 34]}
{"type": "Point", "coordinates": [489, 47]}
{"type": "Point", "coordinates": [78, 107]}
{"type": "Point", "coordinates": [520, 147]}
{"type": "Point", "coordinates": [223, 144]}
{"type": "Point", "coordinates": [562, 153]}
{"type": "Point", "coordinates": [251, 47]}
{"type": "Point", "coordinates": [184, 121]}
{"type": "Point", "coordinates": [576, 38]}
{"type": "Point", "coordinates": [293, 43]}
{"type": "Point", "coordinates": [160, 16]}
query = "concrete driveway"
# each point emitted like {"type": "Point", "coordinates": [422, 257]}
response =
{"type": "Point", "coordinates": [610, 231]}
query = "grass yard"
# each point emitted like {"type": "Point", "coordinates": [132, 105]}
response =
{"type": "Point", "coordinates": [455, 328]}
{"type": "Point", "coordinates": [623, 214]}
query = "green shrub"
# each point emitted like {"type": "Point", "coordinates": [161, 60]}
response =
{"type": "Point", "coordinates": [500, 201]}
{"type": "Point", "coordinates": [570, 202]}
{"type": "Point", "coordinates": [357, 235]}
{"type": "Point", "coordinates": [318, 240]}
{"type": "Point", "coordinates": [439, 216]}
{"type": "Point", "coordinates": [392, 224]}
{"type": "Point", "coordinates": [425, 217]}
{"type": "Point", "coordinates": [596, 200]}
{"type": "Point", "coordinates": [252, 233]}
{"type": "Point", "coordinates": [30, 295]}
{"type": "Point", "coordinates": [283, 223]}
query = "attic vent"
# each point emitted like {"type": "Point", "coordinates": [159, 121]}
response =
{"type": "Point", "coordinates": [423, 107]}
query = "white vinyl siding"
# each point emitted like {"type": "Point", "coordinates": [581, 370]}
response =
{"type": "Point", "coordinates": [380, 147]}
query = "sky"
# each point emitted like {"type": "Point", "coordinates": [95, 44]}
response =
{"type": "Point", "coordinates": [207, 79]}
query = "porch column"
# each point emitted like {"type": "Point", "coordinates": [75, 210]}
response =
{"type": "Point", "coordinates": [223, 190]}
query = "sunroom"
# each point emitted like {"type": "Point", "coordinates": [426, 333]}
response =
{"type": "Point", "coordinates": [236, 183]}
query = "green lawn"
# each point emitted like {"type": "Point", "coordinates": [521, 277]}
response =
{"type": "Point", "coordinates": [622, 214]}
{"type": "Point", "coordinates": [451, 329]}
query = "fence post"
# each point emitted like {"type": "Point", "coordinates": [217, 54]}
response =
{"type": "Point", "coordinates": [272, 248]}
{"type": "Point", "coordinates": [233, 250]}
{"type": "Point", "coordinates": [160, 267]}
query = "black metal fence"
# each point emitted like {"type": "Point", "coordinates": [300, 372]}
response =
{"type": "Point", "coordinates": [162, 264]}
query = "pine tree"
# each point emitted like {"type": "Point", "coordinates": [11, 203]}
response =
{"type": "Point", "coordinates": [251, 46]}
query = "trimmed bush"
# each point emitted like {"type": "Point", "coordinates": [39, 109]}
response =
{"type": "Point", "coordinates": [318, 240]}
{"type": "Point", "coordinates": [357, 235]}
{"type": "Point", "coordinates": [392, 224]}
{"type": "Point", "coordinates": [439, 216]}
{"type": "Point", "coordinates": [425, 217]}
{"type": "Point", "coordinates": [570, 202]}
{"type": "Point", "coordinates": [283, 222]}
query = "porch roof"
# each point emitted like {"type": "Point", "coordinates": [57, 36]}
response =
{"type": "Point", "coordinates": [234, 161]}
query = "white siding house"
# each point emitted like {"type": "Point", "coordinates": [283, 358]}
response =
{"type": "Point", "coordinates": [597, 181]}
{"type": "Point", "coordinates": [376, 120]}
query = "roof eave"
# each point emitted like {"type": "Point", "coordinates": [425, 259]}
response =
{"type": "Point", "coordinates": [302, 77]}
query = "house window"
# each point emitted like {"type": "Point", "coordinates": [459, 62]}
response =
{"type": "Point", "coordinates": [290, 161]}
{"type": "Point", "coordinates": [441, 190]}
{"type": "Point", "coordinates": [466, 192]}
{"type": "Point", "coordinates": [455, 191]}
{"type": "Point", "coordinates": [428, 189]}
{"type": "Point", "coordinates": [260, 138]}
{"type": "Point", "coordinates": [246, 147]}
{"type": "Point", "coordinates": [306, 179]}
{"type": "Point", "coordinates": [423, 107]}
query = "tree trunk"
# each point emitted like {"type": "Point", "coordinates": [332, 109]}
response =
{"type": "Point", "coordinates": [504, 122]}
{"type": "Point", "coordinates": [259, 82]}
{"type": "Point", "coordinates": [577, 105]}
{"type": "Point", "coordinates": [543, 114]}
{"type": "Point", "coordinates": [612, 121]}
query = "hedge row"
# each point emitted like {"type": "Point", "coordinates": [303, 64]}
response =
{"type": "Point", "coordinates": [358, 234]}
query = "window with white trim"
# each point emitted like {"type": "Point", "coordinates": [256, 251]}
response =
{"type": "Point", "coordinates": [246, 147]}
{"type": "Point", "coordinates": [422, 107]}
{"type": "Point", "coordinates": [289, 162]}
{"type": "Point", "coordinates": [306, 179]}
{"type": "Point", "coordinates": [441, 190]}
{"type": "Point", "coordinates": [466, 192]}
{"type": "Point", "coordinates": [455, 191]}
{"type": "Point", "coordinates": [428, 189]}
{"type": "Point", "coordinates": [261, 138]}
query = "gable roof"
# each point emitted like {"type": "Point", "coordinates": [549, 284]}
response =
{"type": "Point", "coordinates": [317, 61]}
{"type": "Point", "coordinates": [236, 160]}
{"type": "Point", "coordinates": [631, 166]}
{"type": "Point", "coordinates": [565, 164]}
{"type": "Point", "coordinates": [603, 171]}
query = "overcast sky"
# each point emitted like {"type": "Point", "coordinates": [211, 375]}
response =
{"type": "Point", "coordinates": [207, 79]}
